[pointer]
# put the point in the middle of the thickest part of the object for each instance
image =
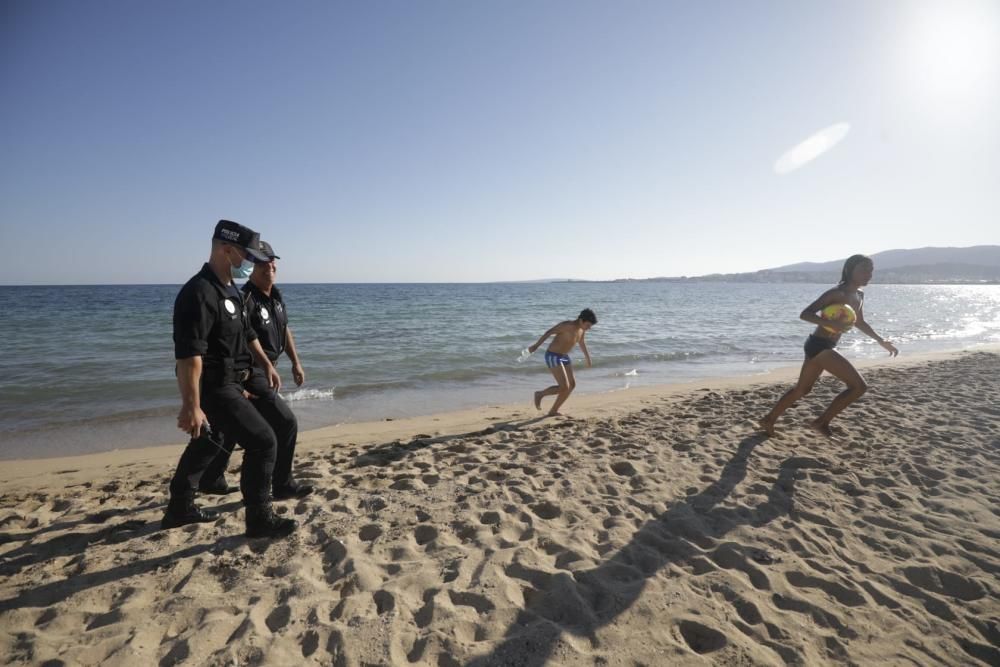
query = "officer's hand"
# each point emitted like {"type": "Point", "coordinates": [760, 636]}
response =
{"type": "Point", "coordinates": [273, 379]}
{"type": "Point", "coordinates": [298, 374]}
{"type": "Point", "coordinates": [190, 420]}
{"type": "Point", "coordinates": [247, 395]}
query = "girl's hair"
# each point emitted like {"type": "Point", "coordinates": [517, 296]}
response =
{"type": "Point", "coordinates": [849, 265]}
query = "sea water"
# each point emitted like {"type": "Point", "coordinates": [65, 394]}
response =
{"type": "Point", "coordinates": [91, 368]}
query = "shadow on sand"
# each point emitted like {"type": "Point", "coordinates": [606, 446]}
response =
{"type": "Point", "coordinates": [76, 543]}
{"type": "Point", "coordinates": [390, 452]}
{"type": "Point", "coordinates": [687, 533]}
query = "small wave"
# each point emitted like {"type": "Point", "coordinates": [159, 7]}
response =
{"type": "Point", "coordinates": [612, 359]}
{"type": "Point", "coordinates": [309, 394]}
{"type": "Point", "coordinates": [632, 373]}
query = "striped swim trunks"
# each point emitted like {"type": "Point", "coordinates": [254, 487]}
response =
{"type": "Point", "coordinates": [553, 359]}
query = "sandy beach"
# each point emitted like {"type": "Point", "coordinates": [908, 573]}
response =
{"type": "Point", "coordinates": [647, 527]}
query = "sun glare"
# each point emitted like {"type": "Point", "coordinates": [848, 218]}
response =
{"type": "Point", "coordinates": [951, 49]}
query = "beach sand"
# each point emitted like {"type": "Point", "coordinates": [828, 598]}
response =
{"type": "Point", "coordinates": [648, 527]}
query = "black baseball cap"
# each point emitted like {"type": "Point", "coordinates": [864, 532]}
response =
{"type": "Point", "coordinates": [243, 237]}
{"type": "Point", "coordinates": [266, 248]}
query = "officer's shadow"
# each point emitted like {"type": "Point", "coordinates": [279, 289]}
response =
{"type": "Point", "coordinates": [89, 520]}
{"type": "Point", "coordinates": [581, 602]}
{"type": "Point", "coordinates": [77, 542]}
{"type": "Point", "coordinates": [51, 593]}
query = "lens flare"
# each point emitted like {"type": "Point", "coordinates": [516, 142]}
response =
{"type": "Point", "coordinates": [810, 149]}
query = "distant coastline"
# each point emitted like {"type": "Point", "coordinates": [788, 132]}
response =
{"type": "Point", "coordinates": [974, 265]}
{"type": "Point", "coordinates": [811, 278]}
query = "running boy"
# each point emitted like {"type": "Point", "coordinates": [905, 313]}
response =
{"type": "Point", "coordinates": [819, 348]}
{"type": "Point", "coordinates": [567, 335]}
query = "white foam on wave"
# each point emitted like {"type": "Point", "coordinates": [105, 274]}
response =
{"type": "Point", "coordinates": [632, 373]}
{"type": "Point", "coordinates": [309, 394]}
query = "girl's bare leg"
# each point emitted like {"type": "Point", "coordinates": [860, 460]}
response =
{"type": "Point", "coordinates": [811, 370]}
{"type": "Point", "coordinates": [836, 364]}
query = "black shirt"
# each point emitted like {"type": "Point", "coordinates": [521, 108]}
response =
{"type": "Point", "coordinates": [268, 318]}
{"type": "Point", "coordinates": [210, 321]}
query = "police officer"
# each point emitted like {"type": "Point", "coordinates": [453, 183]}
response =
{"type": "Point", "coordinates": [214, 347]}
{"type": "Point", "coordinates": [269, 320]}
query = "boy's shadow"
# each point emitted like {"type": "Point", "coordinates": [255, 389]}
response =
{"type": "Point", "coordinates": [581, 602]}
{"type": "Point", "coordinates": [390, 452]}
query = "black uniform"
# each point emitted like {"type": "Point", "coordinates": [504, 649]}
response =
{"type": "Point", "coordinates": [210, 321]}
{"type": "Point", "coordinates": [268, 321]}
{"type": "Point", "coordinates": [268, 318]}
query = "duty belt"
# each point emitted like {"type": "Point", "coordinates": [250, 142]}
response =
{"type": "Point", "coordinates": [215, 375]}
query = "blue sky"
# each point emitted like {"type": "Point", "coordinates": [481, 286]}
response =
{"type": "Point", "coordinates": [476, 141]}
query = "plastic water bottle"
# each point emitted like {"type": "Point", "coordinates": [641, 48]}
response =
{"type": "Point", "coordinates": [525, 353]}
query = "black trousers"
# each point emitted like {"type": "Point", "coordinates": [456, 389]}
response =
{"type": "Point", "coordinates": [229, 412]}
{"type": "Point", "coordinates": [279, 417]}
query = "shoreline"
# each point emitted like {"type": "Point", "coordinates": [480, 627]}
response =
{"type": "Point", "coordinates": [73, 468]}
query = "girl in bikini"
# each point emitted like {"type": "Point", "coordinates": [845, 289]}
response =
{"type": "Point", "coordinates": [821, 354]}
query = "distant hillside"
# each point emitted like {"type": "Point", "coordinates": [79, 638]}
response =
{"type": "Point", "coordinates": [979, 255]}
{"type": "Point", "coordinates": [976, 264]}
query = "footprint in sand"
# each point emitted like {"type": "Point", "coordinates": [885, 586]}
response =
{"type": "Point", "coordinates": [309, 643]}
{"type": "Point", "coordinates": [451, 571]}
{"type": "Point", "coordinates": [465, 599]}
{"type": "Point", "coordinates": [402, 483]}
{"type": "Point", "coordinates": [370, 533]}
{"type": "Point", "coordinates": [490, 518]}
{"type": "Point", "coordinates": [178, 653]}
{"type": "Point", "coordinates": [61, 505]}
{"type": "Point", "coordinates": [943, 582]}
{"type": "Point", "coordinates": [546, 510]}
{"type": "Point", "coordinates": [425, 614]}
{"type": "Point", "coordinates": [729, 557]}
{"type": "Point", "coordinates": [821, 617]}
{"type": "Point", "coordinates": [425, 533]}
{"type": "Point", "coordinates": [278, 618]}
{"type": "Point", "coordinates": [464, 531]}
{"type": "Point", "coordinates": [932, 473]}
{"type": "Point", "coordinates": [841, 594]}
{"type": "Point", "coordinates": [701, 638]}
{"type": "Point", "coordinates": [384, 602]}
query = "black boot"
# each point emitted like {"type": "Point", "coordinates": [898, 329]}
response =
{"type": "Point", "coordinates": [182, 511]}
{"type": "Point", "coordinates": [217, 487]}
{"type": "Point", "coordinates": [291, 490]}
{"type": "Point", "coordinates": [263, 522]}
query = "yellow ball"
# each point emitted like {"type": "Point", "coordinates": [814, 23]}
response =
{"type": "Point", "coordinates": [838, 312]}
